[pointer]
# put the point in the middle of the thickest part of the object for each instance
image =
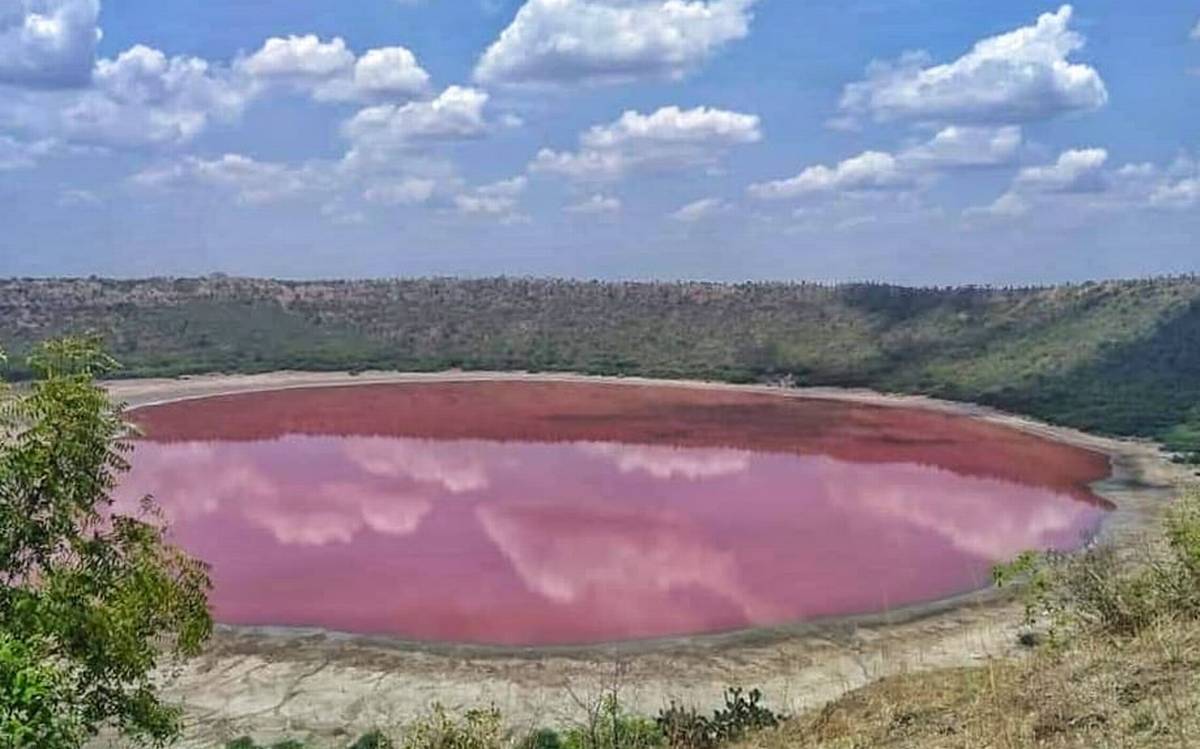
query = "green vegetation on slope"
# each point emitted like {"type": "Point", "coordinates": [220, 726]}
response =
{"type": "Point", "coordinates": [603, 724]}
{"type": "Point", "coordinates": [1119, 357]}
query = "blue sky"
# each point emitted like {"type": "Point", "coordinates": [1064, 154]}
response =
{"type": "Point", "coordinates": [916, 141]}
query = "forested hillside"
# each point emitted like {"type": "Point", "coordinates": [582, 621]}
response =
{"type": "Point", "coordinates": [1121, 357]}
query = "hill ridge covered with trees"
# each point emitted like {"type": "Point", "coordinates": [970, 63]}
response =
{"type": "Point", "coordinates": [1120, 357]}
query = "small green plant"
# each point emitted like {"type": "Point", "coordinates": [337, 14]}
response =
{"type": "Point", "coordinates": [246, 742]}
{"type": "Point", "coordinates": [373, 740]}
{"type": "Point", "coordinates": [743, 713]}
{"type": "Point", "coordinates": [1033, 569]}
{"type": "Point", "coordinates": [543, 738]}
{"type": "Point", "coordinates": [609, 726]}
{"type": "Point", "coordinates": [1183, 537]}
{"type": "Point", "coordinates": [685, 728]}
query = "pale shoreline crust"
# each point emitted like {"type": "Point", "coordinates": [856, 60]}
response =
{"type": "Point", "coordinates": [276, 683]}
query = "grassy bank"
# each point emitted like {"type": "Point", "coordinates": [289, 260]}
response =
{"type": "Point", "coordinates": [1116, 357]}
{"type": "Point", "coordinates": [1097, 691]}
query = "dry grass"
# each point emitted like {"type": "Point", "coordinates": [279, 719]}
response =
{"type": "Point", "coordinates": [1092, 692]}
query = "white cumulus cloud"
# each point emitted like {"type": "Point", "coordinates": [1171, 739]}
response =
{"type": "Point", "coordinates": [700, 210]}
{"type": "Point", "coordinates": [960, 146]}
{"type": "Point", "coordinates": [675, 125]}
{"type": "Point", "coordinates": [141, 97]}
{"type": "Point", "coordinates": [869, 171]}
{"type": "Point", "coordinates": [1177, 186]}
{"type": "Point", "coordinates": [668, 139]}
{"type": "Point", "coordinates": [1184, 193]}
{"type": "Point", "coordinates": [389, 71]}
{"type": "Point", "coordinates": [1008, 205]}
{"type": "Point", "coordinates": [953, 148]}
{"type": "Point", "coordinates": [252, 182]}
{"type": "Point", "coordinates": [48, 43]}
{"type": "Point", "coordinates": [604, 41]}
{"type": "Point", "coordinates": [1075, 171]}
{"type": "Point", "coordinates": [299, 56]}
{"type": "Point", "coordinates": [497, 199]}
{"type": "Point", "coordinates": [456, 113]}
{"type": "Point", "coordinates": [1020, 76]}
{"type": "Point", "coordinates": [330, 71]}
{"type": "Point", "coordinates": [56, 88]}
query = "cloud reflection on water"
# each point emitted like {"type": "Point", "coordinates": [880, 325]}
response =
{"type": "Point", "coordinates": [668, 462]}
{"type": "Point", "coordinates": [580, 541]}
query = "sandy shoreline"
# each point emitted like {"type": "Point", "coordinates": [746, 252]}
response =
{"type": "Point", "coordinates": [317, 685]}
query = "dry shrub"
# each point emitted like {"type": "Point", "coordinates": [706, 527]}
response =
{"type": "Point", "coordinates": [477, 729]}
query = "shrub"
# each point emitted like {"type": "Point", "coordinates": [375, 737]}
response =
{"type": "Point", "coordinates": [478, 729]}
{"type": "Point", "coordinates": [246, 742]}
{"type": "Point", "coordinates": [1098, 591]}
{"type": "Point", "coordinates": [543, 738]}
{"type": "Point", "coordinates": [373, 740]}
{"type": "Point", "coordinates": [611, 727]}
{"type": "Point", "coordinates": [685, 728]}
{"type": "Point", "coordinates": [1183, 537]}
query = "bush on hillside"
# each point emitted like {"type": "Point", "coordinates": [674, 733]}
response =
{"type": "Point", "coordinates": [372, 740]}
{"type": "Point", "coordinates": [1099, 591]}
{"type": "Point", "coordinates": [477, 729]}
{"type": "Point", "coordinates": [743, 713]}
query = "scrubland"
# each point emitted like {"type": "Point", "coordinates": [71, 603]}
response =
{"type": "Point", "coordinates": [1118, 357]}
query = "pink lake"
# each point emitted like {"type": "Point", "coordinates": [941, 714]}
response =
{"type": "Point", "coordinates": [538, 513]}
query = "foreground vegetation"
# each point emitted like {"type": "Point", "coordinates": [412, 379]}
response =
{"type": "Point", "coordinates": [91, 601]}
{"type": "Point", "coordinates": [1116, 357]}
{"type": "Point", "coordinates": [604, 724]}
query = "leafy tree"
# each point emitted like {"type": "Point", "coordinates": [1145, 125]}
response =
{"type": "Point", "coordinates": [36, 707]}
{"type": "Point", "coordinates": [92, 602]}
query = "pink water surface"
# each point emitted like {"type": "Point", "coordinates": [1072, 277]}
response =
{"type": "Point", "coordinates": [539, 514]}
